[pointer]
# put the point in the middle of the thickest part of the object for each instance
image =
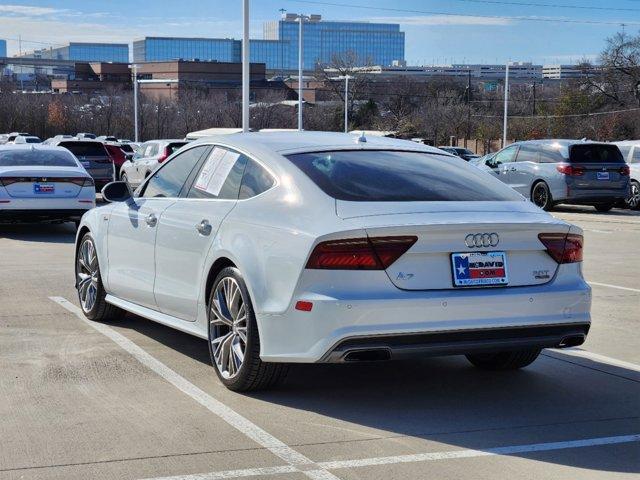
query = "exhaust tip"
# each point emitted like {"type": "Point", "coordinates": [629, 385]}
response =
{"type": "Point", "coordinates": [373, 355]}
{"type": "Point", "coordinates": [572, 341]}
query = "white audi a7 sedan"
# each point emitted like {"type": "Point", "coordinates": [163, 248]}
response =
{"type": "Point", "coordinates": [286, 247]}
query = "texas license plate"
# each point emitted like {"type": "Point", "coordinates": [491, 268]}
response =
{"type": "Point", "coordinates": [479, 269]}
{"type": "Point", "coordinates": [44, 188]}
{"type": "Point", "coordinates": [603, 175]}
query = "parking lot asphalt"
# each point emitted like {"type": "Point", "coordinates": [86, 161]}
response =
{"type": "Point", "coordinates": [136, 400]}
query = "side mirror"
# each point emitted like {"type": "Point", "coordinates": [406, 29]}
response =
{"type": "Point", "coordinates": [116, 192]}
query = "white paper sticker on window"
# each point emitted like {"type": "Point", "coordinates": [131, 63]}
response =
{"type": "Point", "coordinates": [215, 171]}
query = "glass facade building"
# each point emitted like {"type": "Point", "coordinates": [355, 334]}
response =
{"type": "Point", "coordinates": [369, 43]}
{"type": "Point", "coordinates": [3, 48]}
{"type": "Point", "coordinates": [85, 52]}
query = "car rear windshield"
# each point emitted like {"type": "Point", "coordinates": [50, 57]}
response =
{"type": "Point", "coordinates": [595, 154]}
{"type": "Point", "coordinates": [125, 147]}
{"type": "Point", "coordinates": [399, 176]}
{"type": "Point", "coordinates": [175, 146]}
{"type": "Point", "coordinates": [85, 149]}
{"type": "Point", "coordinates": [36, 158]}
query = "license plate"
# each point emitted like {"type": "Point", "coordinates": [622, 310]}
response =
{"type": "Point", "coordinates": [86, 164]}
{"type": "Point", "coordinates": [603, 175]}
{"type": "Point", "coordinates": [43, 188]}
{"type": "Point", "coordinates": [479, 269]}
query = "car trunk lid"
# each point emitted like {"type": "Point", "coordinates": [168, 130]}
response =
{"type": "Point", "coordinates": [444, 230]}
{"type": "Point", "coordinates": [38, 183]}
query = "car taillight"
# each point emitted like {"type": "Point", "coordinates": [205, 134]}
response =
{"type": "Point", "coordinates": [164, 155]}
{"type": "Point", "coordinates": [625, 171]}
{"type": "Point", "coordinates": [563, 248]}
{"type": "Point", "coordinates": [81, 181]}
{"type": "Point", "coordinates": [570, 170]}
{"type": "Point", "coordinates": [376, 253]}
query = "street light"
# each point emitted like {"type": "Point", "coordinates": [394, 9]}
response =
{"type": "Point", "coordinates": [134, 69]}
{"type": "Point", "coordinates": [246, 67]}
{"type": "Point", "coordinates": [301, 18]}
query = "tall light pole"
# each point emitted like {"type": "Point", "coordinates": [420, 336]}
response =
{"type": "Point", "coordinates": [134, 67]}
{"type": "Point", "coordinates": [301, 19]}
{"type": "Point", "coordinates": [506, 106]}
{"type": "Point", "coordinates": [246, 67]}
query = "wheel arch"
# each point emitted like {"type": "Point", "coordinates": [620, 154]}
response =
{"type": "Point", "coordinates": [218, 265]}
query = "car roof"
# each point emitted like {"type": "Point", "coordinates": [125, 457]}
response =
{"type": "Point", "coordinates": [559, 142]}
{"type": "Point", "coordinates": [36, 147]}
{"type": "Point", "coordinates": [300, 142]}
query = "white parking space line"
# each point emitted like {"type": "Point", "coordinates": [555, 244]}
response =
{"type": "Point", "coordinates": [296, 460]}
{"type": "Point", "coordinates": [614, 286]}
{"type": "Point", "coordinates": [600, 358]}
{"type": "Point", "coordinates": [419, 457]}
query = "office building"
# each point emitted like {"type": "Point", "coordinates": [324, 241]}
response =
{"type": "Point", "coordinates": [84, 52]}
{"type": "Point", "coordinates": [95, 77]}
{"type": "Point", "coordinates": [369, 43]}
{"type": "Point", "coordinates": [3, 48]}
{"type": "Point", "coordinates": [565, 72]}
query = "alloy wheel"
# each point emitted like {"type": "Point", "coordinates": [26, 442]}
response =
{"type": "Point", "coordinates": [228, 327]}
{"type": "Point", "coordinates": [88, 274]}
{"type": "Point", "coordinates": [540, 197]}
{"type": "Point", "coordinates": [633, 202]}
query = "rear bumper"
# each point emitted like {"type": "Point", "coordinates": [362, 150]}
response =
{"type": "Point", "coordinates": [410, 322]}
{"type": "Point", "coordinates": [40, 215]}
{"type": "Point", "coordinates": [394, 347]}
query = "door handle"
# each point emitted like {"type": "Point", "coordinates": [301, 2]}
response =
{"type": "Point", "coordinates": [152, 220]}
{"type": "Point", "coordinates": [204, 227]}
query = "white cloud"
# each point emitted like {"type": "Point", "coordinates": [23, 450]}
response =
{"type": "Point", "coordinates": [431, 20]}
{"type": "Point", "coordinates": [27, 10]}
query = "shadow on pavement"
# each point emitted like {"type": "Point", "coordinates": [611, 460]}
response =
{"type": "Point", "coordinates": [447, 400]}
{"type": "Point", "coordinates": [39, 232]}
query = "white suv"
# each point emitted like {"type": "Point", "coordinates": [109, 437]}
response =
{"type": "Point", "coordinates": [147, 158]}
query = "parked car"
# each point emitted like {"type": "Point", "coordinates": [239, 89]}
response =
{"type": "Point", "coordinates": [94, 158]}
{"type": "Point", "coordinates": [316, 247]}
{"type": "Point", "coordinates": [43, 183]}
{"type": "Point", "coordinates": [26, 139]}
{"type": "Point", "coordinates": [117, 155]}
{"type": "Point", "coordinates": [463, 153]}
{"type": "Point", "coordinates": [551, 172]}
{"type": "Point", "coordinates": [83, 135]}
{"type": "Point", "coordinates": [128, 149]}
{"type": "Point", "coordinates": [4, 137]}
{"type": "Point", "coordinates": [13, 135]}
{"type": "Point", "coordinates": [147, 158]}
{"type": "Point", "coordinates": [631, 153]}
{"type": "Point", "coordinates": [107, 138]}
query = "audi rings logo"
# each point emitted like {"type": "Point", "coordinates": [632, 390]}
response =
{"type": "Point", "coordinates": [482, 240]}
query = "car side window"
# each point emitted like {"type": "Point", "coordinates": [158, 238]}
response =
{"type": "Point", "coordinates": [527, 153]}
{"type": "Point", "coordinates": [152, 151]}
{"type": "Point", "coordinates": [255, 180]}
{"type": "Point", "coordinates": [635, 157]}
{"type": "Point", "coordinates": [220, 175]}
{"type": "Point", "coordinates": [549, 155]}
{"type": "Point", "coordinates": [507, 155]}
{"type": "Point", "coordinates": [169, 180]}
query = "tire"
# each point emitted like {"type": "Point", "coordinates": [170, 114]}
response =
{"type": "Point", "coordinates": [232, 331]}
{"type": "Point", "coordinates": [604, 207]}
{"type": "Point", "coordinates": [633, 202]}
{"type": "Point", "coordinates": [541, 196]}
{"type": "Point", "coordinates": [91, 293]}
{"type": "Point", "coordinates": [504, 360]}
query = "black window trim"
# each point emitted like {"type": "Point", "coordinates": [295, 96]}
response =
{"type": "Point", "coordinates": [143, 186]}
{"type": "Point", "coordinates": [276, 180]}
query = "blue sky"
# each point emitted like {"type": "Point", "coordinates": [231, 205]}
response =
{"type": "Point", "coordinates": [437, 31]}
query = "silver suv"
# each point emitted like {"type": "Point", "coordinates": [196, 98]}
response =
{"type": "Point", "coordinates": [631, 151]}
{"type": "Point", "coordinates": [147, 158]}
{"type": "Point", "coordinates": [550, 172]}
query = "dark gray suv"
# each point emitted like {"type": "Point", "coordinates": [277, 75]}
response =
{"type": "Point", "coordinates": [550, 172]}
